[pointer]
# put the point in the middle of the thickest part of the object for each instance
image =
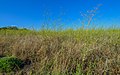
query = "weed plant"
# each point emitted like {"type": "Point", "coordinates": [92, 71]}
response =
{"type": "Point", "coordinates": [65, 52]}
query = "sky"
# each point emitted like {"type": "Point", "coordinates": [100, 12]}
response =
{"type": "Point", "coordinates": [53, 13]}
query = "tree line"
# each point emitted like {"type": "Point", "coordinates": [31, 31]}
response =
{"type": "Point", "coordinates": [12, 28]}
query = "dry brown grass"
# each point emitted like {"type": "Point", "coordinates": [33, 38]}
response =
{"type": "Point", "coordinates": [92, 52]}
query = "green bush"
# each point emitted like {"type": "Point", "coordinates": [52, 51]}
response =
{"type": "Point", "coordinates": [8, 64]}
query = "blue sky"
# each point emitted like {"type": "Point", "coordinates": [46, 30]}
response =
{"type": "Point", "coordinates": [33, 13]}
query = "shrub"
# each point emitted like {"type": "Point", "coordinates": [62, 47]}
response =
{"type": "Point", "coordinates": [8, 64]}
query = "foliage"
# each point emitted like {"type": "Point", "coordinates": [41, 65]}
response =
{"type": "Point", "coordinates": [8, 64]}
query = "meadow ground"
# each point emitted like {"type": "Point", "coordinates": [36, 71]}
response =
{"type": "Point", "coordinates": [65, 52]}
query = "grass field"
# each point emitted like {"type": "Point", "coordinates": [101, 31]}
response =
{"type": "Point", "coordinates": [65, 52]}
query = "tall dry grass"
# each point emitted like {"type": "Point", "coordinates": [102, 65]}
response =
{"type": "Point", "coordinates": [66, 52]}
